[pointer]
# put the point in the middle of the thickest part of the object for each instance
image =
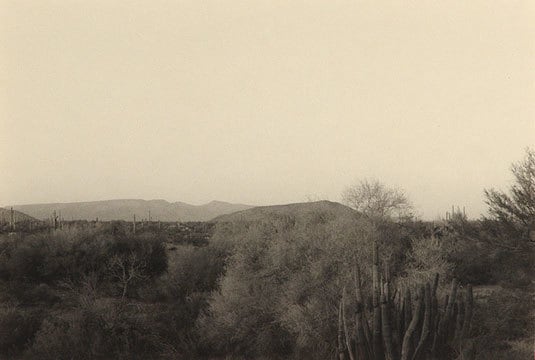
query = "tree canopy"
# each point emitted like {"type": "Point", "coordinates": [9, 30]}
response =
{"type": "Point", "coordinates": [517, 207]}
{"type": "Point", "coordinates": [376, 200]}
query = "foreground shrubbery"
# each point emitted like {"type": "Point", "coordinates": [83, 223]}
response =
{"type": "Point", "coordinates": [95, 294]}
{"type": "Point", "coordinates": [282, 281]}
{"type": "Point", "coordinates": [265, 288]}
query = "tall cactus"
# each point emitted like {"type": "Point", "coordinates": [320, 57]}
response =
{"type": "Point", "coordinates": [419, 352]}
{"type": "Point", "coordinates": [411, 329]}
{"type": "Point", "coordinates": [12, 219]}
{"type": "Point", "coordinates": [386, 323]}
{"type": "Point", "coordinates": [362, 348]}
{"type": "Point", "coordinates": [377, 339]}
{"type": "Point", "coordinates": [401, 330]}
{"type": "Point", "coordinates": [344, 324]}
{"type": "Point", "coordinates": [468, 311]}
{"type": "Point", "coordinates": [55, 219]}
{"type": "Point", "coordinates": [341, 351]}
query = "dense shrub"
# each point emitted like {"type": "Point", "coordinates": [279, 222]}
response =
{"type": "Point", "coordinates": [502, 318]}
{"type": "Point", "coordinates": [427, 257]}
{"type": "Point", "coordinates": [100, 329]}
{"type": "Point", "coordinates": [264, 288]}
{"type": "Point", "coordinates": [17, 328]}
{"type": "Point", "coordinates": [191, 269]}
{"type": "Point", "coordinates": [30, 265]}
{"type": "Point", "coordinates": [282, 279]}
{"type": "Point", "coordinates": [78, 279]}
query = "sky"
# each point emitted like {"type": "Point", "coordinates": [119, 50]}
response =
{"type": "Point", "coordinates": [263, 102]}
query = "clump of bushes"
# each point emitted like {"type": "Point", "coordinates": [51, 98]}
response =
{"type": "Point", "coordinates": [282, 278]}
{"type": "Point", "coordinates": [501, 320]}
{"type": "Point", "coordinates": [18, 328]}
{"type": "Point", "coordinates": [101, 329]}
{"type": "Point", "coordinates": [31, 266]}
{"type": "Point", "coordinates": [101, 293]}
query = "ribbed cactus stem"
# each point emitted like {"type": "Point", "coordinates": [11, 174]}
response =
{"type": "Point", "coordinates": [449, 308]}
{"type": "Point", "coordinates": [419, 352]}
{"type": "Point", "coordinates": [435, 285]}
{"type": "Point", "coordinates": [341, 352]}
{"type": "Point", "coordinates": [400, 314]}
{"type": "Point", "coordinates": [406, 348]}
{"type": "Point", "coordinates": [367, 332]}
{"type": "Point", "coordinates": [468, 311]}
{"type": "Point", "coordinates": [362, 349]}
{"type": "Point", "coordinates": [444, 324]}
{"type": "Point", "coordinates": [386, 323]}
{"type": "Point", "coordinates": [377, 340]}
{"type": "Point", "coordinates": [408, 309]}
{"type": "Point", "coordinates": [459, 318]}
{"type": "Point", "coordinates": [344, 323]}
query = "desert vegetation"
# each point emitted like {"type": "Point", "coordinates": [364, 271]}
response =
{"type": "Point", "coordinates": [316, 280]}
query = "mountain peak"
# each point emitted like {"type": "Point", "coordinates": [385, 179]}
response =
{"type": "Point", "coordinates": [217, 202]}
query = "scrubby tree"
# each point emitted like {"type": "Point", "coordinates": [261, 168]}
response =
{"type": "Point", "coordinates": [377, 200]}
{"type": "Point", "coordinates": [127, 270]}
{"type": "Point", "coordinates": [516, 208]}
{"type": "Point", "coordinates": [279, 293]}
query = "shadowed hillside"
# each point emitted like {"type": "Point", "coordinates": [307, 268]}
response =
{"type": "Point", "coordinates": [18, 216]}
{"type": "Point", "coordinates": [306, 209]}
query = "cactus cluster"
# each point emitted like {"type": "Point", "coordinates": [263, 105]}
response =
{"type": "Point", "coordinates": [406, 323]}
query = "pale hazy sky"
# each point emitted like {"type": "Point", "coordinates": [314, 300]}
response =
{"type": "Point", "coordinates": [263, 102]}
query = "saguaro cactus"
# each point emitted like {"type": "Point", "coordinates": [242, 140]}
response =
{"type": "Point", "coordinates": [55, 219]}
{"type": "Point", "coordinates": [12, 219]}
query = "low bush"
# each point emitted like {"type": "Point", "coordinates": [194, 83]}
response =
{"type": "Point", "coordinates": [501, 318]}
{"type": "Point", "coordinates": [17, 329]}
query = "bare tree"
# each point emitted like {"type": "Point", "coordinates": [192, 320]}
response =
{"type": "Point", "coordinates": [376, 200]}
{"type": "Point", "coordinates": [127, 269]}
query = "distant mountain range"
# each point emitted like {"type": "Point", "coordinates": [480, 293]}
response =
{"type": "Point", "coordinates": [126, 209]}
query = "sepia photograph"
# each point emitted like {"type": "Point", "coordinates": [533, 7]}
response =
{"type": "Point", "coordinates": [267, 180]}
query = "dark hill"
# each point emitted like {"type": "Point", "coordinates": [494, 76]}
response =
{"type": "Point", "coordinates": [300, 210]}
{"type": "Point", "coordinates": [17, 215]}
